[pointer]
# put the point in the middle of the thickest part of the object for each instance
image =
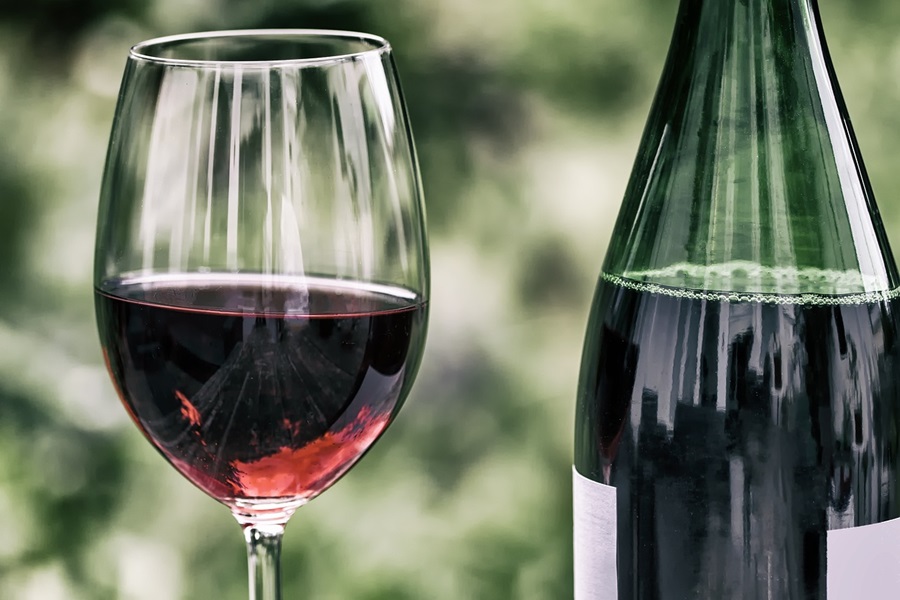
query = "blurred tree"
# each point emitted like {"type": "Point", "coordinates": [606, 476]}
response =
{"type": "Point", "coordinates": [17, 212]}
{"type": "Point", "coordinates": [55, 27]}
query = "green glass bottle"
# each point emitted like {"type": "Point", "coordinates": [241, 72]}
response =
{"type": "Point", "coordinates": [737, 428]}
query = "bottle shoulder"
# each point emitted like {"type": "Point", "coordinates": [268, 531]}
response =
{"type": "Point", "coordinates": [748, 158]}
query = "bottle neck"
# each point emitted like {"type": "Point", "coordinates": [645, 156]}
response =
{"type": "Point", "coordinates": [735, 53]}
{"type": "Point", "coordinates": [724, 24]}
{"type": "Point", "coordinates": [748, 163]}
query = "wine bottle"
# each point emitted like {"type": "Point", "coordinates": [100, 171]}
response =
{"type": "Point", "coordinates": [737, 428]}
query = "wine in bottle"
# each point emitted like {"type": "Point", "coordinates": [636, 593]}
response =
{"type": "Point", "coordinates": [737, 427]}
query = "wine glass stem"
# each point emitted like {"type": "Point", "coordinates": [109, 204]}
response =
{"type": "Point", "coordinates": [264, 560]}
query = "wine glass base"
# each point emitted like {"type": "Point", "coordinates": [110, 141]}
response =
{"type": "Point", "coordinates": [263, 512]}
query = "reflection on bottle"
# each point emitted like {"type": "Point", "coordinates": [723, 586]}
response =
{"type": "Point", "coordinates": [742, 453]}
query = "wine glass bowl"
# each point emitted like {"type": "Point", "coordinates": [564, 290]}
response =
{"type": "Point", "coordinates": [261, 407]}
{"type": "Point", "coordinates": [261, 266]}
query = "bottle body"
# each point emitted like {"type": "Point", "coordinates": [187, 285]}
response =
{"type": "Point", "coordinates": [738, 415]}
{"type": "Point", "coordinates": [736, 432]}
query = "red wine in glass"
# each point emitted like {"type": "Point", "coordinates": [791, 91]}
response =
{"type": "Point", "coordinates": [257, 388]}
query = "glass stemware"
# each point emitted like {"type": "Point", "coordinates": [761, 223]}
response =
{"type": "Point", "coordinates": [261, 269]}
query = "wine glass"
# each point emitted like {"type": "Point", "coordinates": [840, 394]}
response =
{"type": "Point", "coordinates": [261, 269]}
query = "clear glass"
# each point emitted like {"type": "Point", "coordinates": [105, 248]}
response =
{"type": "Point", "coordinates": [261, 269]}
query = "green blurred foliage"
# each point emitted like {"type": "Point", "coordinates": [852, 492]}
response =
{"type": "Point", "coordinates": [527, 115]}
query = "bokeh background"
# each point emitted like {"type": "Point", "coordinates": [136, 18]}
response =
{"type": "Point", "coordinates": [527, 115]}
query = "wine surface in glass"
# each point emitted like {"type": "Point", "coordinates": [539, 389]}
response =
{"type": "Point", "coordinates": [260, 388]}
{"type": "Point", "coordinates": [737, 433]}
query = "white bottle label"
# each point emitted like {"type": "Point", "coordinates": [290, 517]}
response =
{"type": "Point", "coordinates": [864, 562]}
{"type": "Point", "coordinates": [594, 510]}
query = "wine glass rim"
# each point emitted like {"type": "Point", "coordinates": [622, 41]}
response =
{"type": "Point", "coordinates": [377, 46]}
